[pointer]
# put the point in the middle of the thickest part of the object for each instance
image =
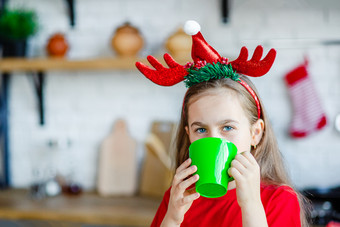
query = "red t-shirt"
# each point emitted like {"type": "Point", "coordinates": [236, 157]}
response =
{"type": "Point", "coordinates": [280, 204]}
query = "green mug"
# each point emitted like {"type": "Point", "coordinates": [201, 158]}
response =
{"type": "Point", "coordinates": [213, 157]}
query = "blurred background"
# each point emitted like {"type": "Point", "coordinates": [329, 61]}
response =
{"type": "Point", "coordinates": [74, 109]}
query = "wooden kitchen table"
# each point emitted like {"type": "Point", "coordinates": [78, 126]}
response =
{"type": "Point", "coordinates": [87, 208]}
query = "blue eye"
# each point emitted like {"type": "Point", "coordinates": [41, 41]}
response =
{"type": "Point", "coordinates": [201, 130]}
{"type": "Point", "coordinates": [227, 128]}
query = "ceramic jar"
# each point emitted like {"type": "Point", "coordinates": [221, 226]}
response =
{"type": "Point", "coordinates": [179, 44]}
{"type": "Point", "coordinates": [57, 45]}
{"type": "Point", "coordinates": [127, 41]}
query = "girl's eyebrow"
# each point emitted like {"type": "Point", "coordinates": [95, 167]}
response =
{"type": "Point", "coordinates": [227, 121]}
{"type": "Point", "coordinates": [197, 123]}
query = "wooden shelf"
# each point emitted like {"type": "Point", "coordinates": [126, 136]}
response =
{"type": "Point", "coordinates": [88, 208]}
{"type": "Point", "coordinates": [39, 66]}
{"type": "Point", "coordinates": [49, 64]}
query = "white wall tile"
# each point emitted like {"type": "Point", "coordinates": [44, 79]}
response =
{"type": "Point", "coordinates": [84, 105]}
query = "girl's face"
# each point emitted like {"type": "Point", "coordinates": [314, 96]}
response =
{"type": "Point", "coordinates": [221, 115]}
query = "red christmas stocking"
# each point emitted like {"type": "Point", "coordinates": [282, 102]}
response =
{"type": "Point", "coordinates": [308, 114]}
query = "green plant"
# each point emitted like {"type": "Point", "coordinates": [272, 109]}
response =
{"type": "Point", "coordinates": [18, 24]}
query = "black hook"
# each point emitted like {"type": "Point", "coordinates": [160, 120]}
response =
{"type": "Point", "coordinates": [39, 84]}
{"type": "Point", "coordinates": [70, 4]}
{"type": "Point", "coordinates": [225, 11]}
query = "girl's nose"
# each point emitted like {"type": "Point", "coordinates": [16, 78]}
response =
{"type": "Point", "coordinates": [214, 134]}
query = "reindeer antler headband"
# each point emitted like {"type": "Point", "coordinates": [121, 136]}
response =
{"type": "Point", "coordinates": [208, 64]}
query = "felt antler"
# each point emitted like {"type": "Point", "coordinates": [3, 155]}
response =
{"type": "Point", "coordinates": [161, 75]}
{"type": "Point", "coordinates": [254, 67]}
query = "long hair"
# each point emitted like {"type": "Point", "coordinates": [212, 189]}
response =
{"type": "Point", "coordinates": [267, 153]}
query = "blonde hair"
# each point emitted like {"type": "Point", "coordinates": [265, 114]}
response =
{"type": "Point", "coordinates": [267, 153]}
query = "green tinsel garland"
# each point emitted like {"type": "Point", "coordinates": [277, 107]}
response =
{"type": "Point", "coordinates": [210, 72]}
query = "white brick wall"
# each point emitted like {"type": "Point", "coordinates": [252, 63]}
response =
{"type": "Point", "coordinates": [84, 105]}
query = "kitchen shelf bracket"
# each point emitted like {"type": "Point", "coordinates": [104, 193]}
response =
{"type": "Point", "coordinates": [4, 135]}
{"type": "Point", "coordinates": [225, 11]}
{"type": "Point", "coordinates": [71, 8]}
{"type": "Point", "coordinates": [39, 85]}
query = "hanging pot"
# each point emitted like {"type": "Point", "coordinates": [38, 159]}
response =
{"type": "Point", "coordinates": [57, 45]}
{"type": "Point", "coordinates": [127, 41]}
{"type": "Point", "coordinates": [179, 44]}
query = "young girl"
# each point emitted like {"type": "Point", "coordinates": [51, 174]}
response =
{"type": "Point", "coordinates": [223, 103]}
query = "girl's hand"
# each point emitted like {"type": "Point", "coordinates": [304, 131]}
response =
{"type": "Point", "coordinates": [246, 173]}
{"type": "Point", "coordinates": [181, 198]}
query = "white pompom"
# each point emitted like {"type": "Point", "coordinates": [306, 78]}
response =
{"type": "Point", "coordinates": [191, 27]}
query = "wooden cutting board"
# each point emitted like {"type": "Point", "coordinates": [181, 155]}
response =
{"type": "Point", "coordinates": [117, 171]}
{"type": "Point", "coordinates": [157, 173]}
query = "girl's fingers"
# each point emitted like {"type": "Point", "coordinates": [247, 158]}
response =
{"type": "Point", "coordinates": [247, 160]}
{"type": "Point", "coordinates": [243, 160]}
{"type": "Point", "coordinates": [191, 197]}
{"type": "Point", "coordinates": [234, 173]}
{"type": "Point", "coordinates": [187, 183]}
{"type": "Point", "coordinates": [250, 157]}
{"type": "Point", "coordinates": [184, 165]}
{"type": "Point", "coordinates": [254, 166]}
{"type": "Point", "coordinates": [180, 176]}
{"type": "Point", "coordinates": [238, 165]}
